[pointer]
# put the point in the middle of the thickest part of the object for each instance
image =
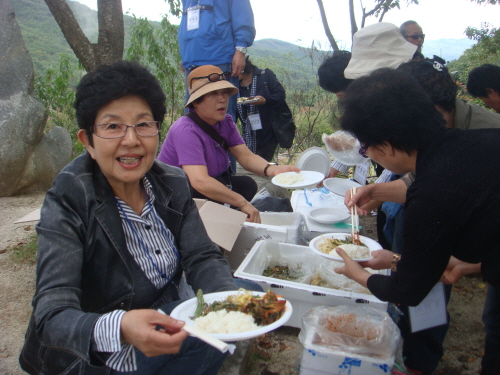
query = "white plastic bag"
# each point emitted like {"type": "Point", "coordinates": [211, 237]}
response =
{"type": "Point", "coordinates": [343, 147]}
{"type": "Point", "coordinates": [354, 330]}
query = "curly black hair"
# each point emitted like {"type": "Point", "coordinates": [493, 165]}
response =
{"type": "Point", "coordinates": [331, 72]}
{"type": "Point", "coordinates": [389, 106]}
{"type": "Point", "coordinates": [484, 77]}
{"type": "Point", "coordinates": [435, 79]}
{"type": "Point", "coordinates": [111, 82]}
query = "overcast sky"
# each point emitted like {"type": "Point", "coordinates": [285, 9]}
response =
{"type": "Point", "coordinates": [299, 22]}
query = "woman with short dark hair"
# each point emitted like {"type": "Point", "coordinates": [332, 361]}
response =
{"type": "Point", "coordinates": [115, 235]}
{"type": "Point", "coordinates": [446, 213]}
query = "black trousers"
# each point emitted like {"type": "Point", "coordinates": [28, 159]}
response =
{"type": "Point", "coordinates": [243, 185]}
{"type": "Point", "coordinates": [266, 151]}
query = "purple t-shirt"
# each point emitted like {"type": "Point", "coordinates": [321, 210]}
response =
{"type": "Point", "coordinates": [187, 144]}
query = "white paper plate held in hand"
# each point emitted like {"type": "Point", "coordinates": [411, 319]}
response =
{"type": "Point", "coordinates": [185, 312]}
{"type": "Point", "coordinates": [294, 180]}
{"type": "Point", "coordinates": [247, 100]}
{"type": "Point", "coordinates": [315, 243]}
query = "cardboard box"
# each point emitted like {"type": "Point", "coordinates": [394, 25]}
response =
{"type": "Point", "coordinates": [286, 227]}
{"type": "Point", "coordinates": [222, 223]}
{"type": "Point", "coordinates": [303, 297]}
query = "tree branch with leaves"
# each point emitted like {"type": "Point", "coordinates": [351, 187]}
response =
{"type": "Point", "coordinates": [110, 42]}
{"type": "Point", "coordinates": [380, 8]}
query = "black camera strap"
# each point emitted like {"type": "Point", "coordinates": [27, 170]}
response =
{"type": "Point", "coordinates": [209, 129]}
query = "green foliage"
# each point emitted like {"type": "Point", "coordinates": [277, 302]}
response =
{"type": "Point", "coordinates": [155, 45]}
{"type": "Point", "coordinates": [175, 7]}
{"type": "Point", "coordinates": [55, 91]}
{"type": "Point", "coordinates": [485, 51]}
{"type": "Point", "coordinates": [492, 2]}
{"type": "Point", "coordinates": [157, 48]}
{"type": "Point", "coordinates": [25, 252]}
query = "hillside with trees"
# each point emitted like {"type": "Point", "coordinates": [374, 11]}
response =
{"type": "Point", "coordinates": [154, 44]}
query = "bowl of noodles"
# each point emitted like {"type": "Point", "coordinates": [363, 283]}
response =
{"type": "Point", "coordinates": [326, 244]}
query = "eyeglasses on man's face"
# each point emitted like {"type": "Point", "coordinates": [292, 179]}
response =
{"type": "Point", "coordinates": [114, 130]}
{"type": "Point", "coordinates": [213, 77]}
{"type": "Point", "coordinates": [362, 151]}
{"type": "Point", "coordinates": [416, 36]}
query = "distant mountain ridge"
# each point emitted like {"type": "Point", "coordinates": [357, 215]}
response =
{"type": "Point", "coordinates": [45, 41]}
{"type": "Point", "coordinates": [448, 49]}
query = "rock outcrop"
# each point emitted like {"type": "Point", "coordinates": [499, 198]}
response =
{"type": "Point", "coordinates": [29, 159]}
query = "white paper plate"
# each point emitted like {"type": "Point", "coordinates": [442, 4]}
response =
{"type": "Point", "coordinates": [249, 101]}
{"type": "Point", "coordinates": [328, 215]}
{"type": "Point", "coordinates": [314, 159]}
{"type": "Point", "coordinates": [314, 245]}
{"type": "Point", "coordinates": [311, 179]}
{"type": "Point", "coordinates": [340, 185]}
{"type": "Point", "coordinates": [186, 310]}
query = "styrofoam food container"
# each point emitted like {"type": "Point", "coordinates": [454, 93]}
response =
{"type": "Point", "coordinates": [303, 297]}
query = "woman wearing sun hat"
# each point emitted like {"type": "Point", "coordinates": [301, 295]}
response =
{"type": "Point", "coordinates": [198, 142]}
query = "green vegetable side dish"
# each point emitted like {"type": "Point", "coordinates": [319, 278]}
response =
{"type": "Point", "coordinates": [279, 272]}
{"type": "Point", "coordinates": [265, 309]}
{"type": "Point", "coordinates": [346, 241]}
{"type": "Point", "coordinates": [200, 305]}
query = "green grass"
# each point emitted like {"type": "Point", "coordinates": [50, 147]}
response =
{"type": "Point", "coordinates": [26, 252]}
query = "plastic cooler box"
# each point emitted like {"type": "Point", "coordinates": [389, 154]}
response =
{"type": "Point", "coordinates": [303, 297]}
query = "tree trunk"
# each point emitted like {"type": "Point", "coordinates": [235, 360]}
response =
{"type": "Point", "coordinates": [110, 42]}
{"type": "Point", "coordinates": [326, 27]}
{"type": "Point", "coordinates": [352, 16]}
{"type": "Point", "coordinates": [109, 47]}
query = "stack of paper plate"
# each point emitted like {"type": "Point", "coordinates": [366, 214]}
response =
{"type": "Point", "coordinates": [339, 185]}
{"type": "Point", "coordinates": [314, 159]}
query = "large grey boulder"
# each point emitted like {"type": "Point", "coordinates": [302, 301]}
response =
{"type": "Point", "coordinates": [29, 159]}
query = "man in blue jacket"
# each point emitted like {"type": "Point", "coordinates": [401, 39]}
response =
{"type": "Point", "coordinates": [216, 32]}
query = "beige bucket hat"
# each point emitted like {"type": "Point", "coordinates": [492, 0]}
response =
{"type": "Point", "coordinates": [201, 81]}
{"type": "Point", "coordinates": [378, 46]}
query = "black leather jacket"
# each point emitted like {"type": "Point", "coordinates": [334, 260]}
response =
{"type": "Point", "coordinates": [84, 268]}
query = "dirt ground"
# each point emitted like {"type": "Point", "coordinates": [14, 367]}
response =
{"type": "Point", "coordinates": [463, 345]}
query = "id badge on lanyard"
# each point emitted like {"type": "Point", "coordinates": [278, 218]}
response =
{"type": "Point", "coordinates": [193, 18]}
{"type": "Point", "coordinates": [254, 120]}
{"type": "Point", "coordinates": [361, 172]}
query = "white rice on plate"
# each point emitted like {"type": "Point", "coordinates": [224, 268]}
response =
{"type": "Point", "coordinates": [289, 179]}
{"type": "Point", "coordinates": [354, 251]}
{"type": "Point", "coordinates": [223, 321]}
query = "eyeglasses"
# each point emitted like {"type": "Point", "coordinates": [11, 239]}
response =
{"type": "Point", "coordinates": [113, 130]}
{"type": "Point", "coordinates": [416, 36]}
{"type": "Point", "coordinates": [213, 77]}
{"type": "Point", "coordinates": [362, 151]}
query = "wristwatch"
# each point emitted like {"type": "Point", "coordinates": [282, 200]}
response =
{"type": "Point", "coordinates": [267, 166]}
{"type": "Point", "coordinates": [243, 50]}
